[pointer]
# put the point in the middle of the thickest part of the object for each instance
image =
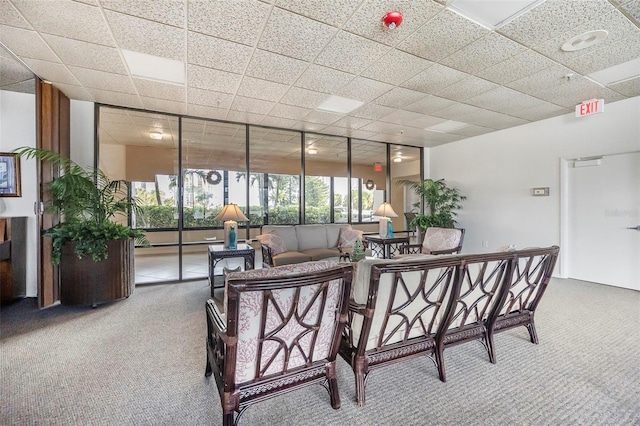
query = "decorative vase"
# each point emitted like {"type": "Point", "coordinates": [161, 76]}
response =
{"type": "Point", "coordinates": [232, 238]}
{"type": "Point", "coordinates": [390, 230]}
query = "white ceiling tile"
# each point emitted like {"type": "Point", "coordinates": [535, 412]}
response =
{"type": "Point", "coordinates": [336, 131]}
{"type": "Point", "coordinates": [115, 98]}
{"type": "Point", "coordinates": [384, 128]}
{"type": "Point", "coordinates": [303, 97]}
{"type": "Point", "coordinates": [289, 111]}
{"type": "Point", "coordinates": [75, 92]}
{"type": "Point", "coordinates": [273, 67]}
{"type": "Point", "coordinates": [164, 105]}
{"type": "Point", "coordinates": [209, 98]}
{"type": "Point", "coordinates": [364, 89]}
{"type": "Point", "coordinates": [483, 53]}
{"type": "Point", "coordinates": [434, 78]}
{"type": "Point", "coordinates": [513, 68]}
{"type": "Point", "coordinates": [429, 104]}
{"type": "Point", "coordinates": [350, 53]}
{"type": "Point", "coordinates": [322, 117]}
{"type": "Point", "coordinates": [217, 53]}
{"type": "Point", "coordinates": [614, 54]}
{"type": "Point", "coordinates": [409, 118]}
{"type": "Point", "coordinates": [244, 117]}
{"type": "Point", "coordinates": [10, 16]}
{"type": "Point", "coordinates": [293, 35]}
{"type": "Point", "coordinates": [492, 119]}
{"type": "Point", "coordinates": [351, 122]}
{"type": "Point", "coordinates": [54, 72]}
{"type": "Point", "coordinates": [262, 89]}
{"type": "Point", "coordinates": [632, 9]}
{"type": "Point", "coordinates": [457, 111]}
{"type": "Point", "coordinates": [465, 89]}
{"type": "Point", "coordinates": [210, 79]}
{"type": "Point", "coordinates": [159, 90]}
{"type": "Point", "coordinates": [367, 20]}
{"type": "Point", "coordinates": [307, 126]}
{"type": "Point", "coordinates": [396, 66]}
{"type": "Point", "coordinates": [206, 111]}
{"type": "Point", "coordinates": [552, 18]}
{"type": "Point", "coordinates": [277, 122]}
{"type": "Point", "coordinates": [26, 44]}
{"type": "Point", "coordinates": [579, 89]}
{"type": "Point", "coordinates": [540, 112]}
{"type": "Point", "coordinates": [168, 12]}
{"type": "Point", "coordinates": [473, 130]}
{"type": "Point", "coordinates": [362, 134]}
{"type": "Point", "coordinates": [616, 24]}
{"type": "Point", "coordinates": [103, 80]}
{"type": "Point", "coordinates": [141, 35]}
{"type": "Point", "coordinates": [323, 79]}
{"type": "Point", "coordinates": [255, 106]}
{"type": "Point", "coordinates": [242, 23]}
{"type": "Point", "coordinates": [628, 88]}
{"type": "Point", "coordinates": [502, 99]}
{"type": "Point", "coordinates": [541, 80]}
{"type": "Point", "coordinates": [442, 36]}
{"type": "Point", "coordinates": [333, 12]}
{"type": "Point", "coordinates": [87, 55]}
{"type": "Point", "coordinates": [371, 111]}
{"type": "Point", "coordinates": [67, 18]}
{"type": "Point", "coordinates": [399, 97]}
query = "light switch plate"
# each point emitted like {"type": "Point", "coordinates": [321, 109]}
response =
{"type": "Point", "coordinates": [540, 192]}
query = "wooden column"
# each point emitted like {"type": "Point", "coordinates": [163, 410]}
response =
{"type": "Point", "coordinates": [52, 127]}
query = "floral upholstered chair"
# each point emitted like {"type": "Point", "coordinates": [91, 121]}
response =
{"type": "Point", "coordinates": [280, 330]}
{"type": "Point", "coordinates": [437, 241]}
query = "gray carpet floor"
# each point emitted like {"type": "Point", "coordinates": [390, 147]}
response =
{"type": "Point", "coordinates": [141, 361]}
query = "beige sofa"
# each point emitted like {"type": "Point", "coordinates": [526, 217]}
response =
{"type": "Point", "coordinates": [304, 243]}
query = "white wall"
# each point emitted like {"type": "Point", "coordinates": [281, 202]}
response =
{"type": "Point", "coordinates": [81, 132]}
{"type": "Point", "coordinates": [17, 129]}
{"type": "Point", "coordinates": [497, 171]}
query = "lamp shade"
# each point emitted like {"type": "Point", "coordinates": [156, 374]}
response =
{"type": "Point", "coordinates": [385, 210]}
{"type": "Point", "coordinates": [231, 212]}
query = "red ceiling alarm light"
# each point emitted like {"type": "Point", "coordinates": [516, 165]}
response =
{"type": "Point", "coordinates": [392, 19]}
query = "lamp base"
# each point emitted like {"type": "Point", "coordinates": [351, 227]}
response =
{"type": "Point", "coordinates": [383, 227]}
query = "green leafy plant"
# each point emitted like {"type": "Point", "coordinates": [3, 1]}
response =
{"type": "Point", "coordinates": [88, 202]}
{"type": "Point", "coordinates": [440, 200]}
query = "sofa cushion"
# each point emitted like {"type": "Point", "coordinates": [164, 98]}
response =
{"type": "Point", "coordinates": [440, 239]}
{"type": "Point", "coordinates": [290, 257]}
{"type": "Point", "coordinates": [311, 237]}
{"type": "Point", "coordinates": [333, 232]}
{"type": "Point", "coordinates": [275, 243]}
{"type": "Point", "coordinates": [286, 232]}
{"type": "Point", "coordinates": [348, 237]}
{"type": "Point", "coordinates": [322, 253]}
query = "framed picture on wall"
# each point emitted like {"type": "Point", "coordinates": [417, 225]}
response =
{"type": "Point", "coordinates": [9, 175]}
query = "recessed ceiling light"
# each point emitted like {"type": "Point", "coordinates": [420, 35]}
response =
{"type": "Point", "coordinates": [339, 105]}
{"type": "Point", "coordinates": [397, 159]}
{"type": "Point", "coordinates": [492, 14]}
{"type": "Point", "coordinates": [584, 40]}
{"type": "Point", "coordinates": [155, 68]}
{"type": "Point", "coordinates": [447, 126]}
{"type": "Point", "coordinates": [155, 135]}
{"type": "Point", "coordinates": [617, 73]}
{"type": "Point", "coordinates": [312, 151]}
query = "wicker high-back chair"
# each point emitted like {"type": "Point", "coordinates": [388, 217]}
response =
{"type": "Point", "coordinates": [281, 330]}
{"type": "Point", "coordinates": [437, 241]}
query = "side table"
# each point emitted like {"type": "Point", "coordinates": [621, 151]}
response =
{"type": "Point", "coordinates": [217, 252]}
{"type": "Point", "coordinates": [385, 247]}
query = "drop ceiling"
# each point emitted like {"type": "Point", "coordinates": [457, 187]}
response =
{"type": "Point", "coordinates": [273, 63]}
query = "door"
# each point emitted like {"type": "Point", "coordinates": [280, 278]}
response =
{"type": "Point", "coordinates": [604, 219]}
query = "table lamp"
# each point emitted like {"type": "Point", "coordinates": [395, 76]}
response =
{"type": "Point", "coordinates": [385, 211]}
{"type": "Point", "coordinates": [231, 214]}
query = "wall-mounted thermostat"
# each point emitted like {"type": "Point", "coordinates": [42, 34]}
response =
{"type": "Point", "coordinates": [540, 192]}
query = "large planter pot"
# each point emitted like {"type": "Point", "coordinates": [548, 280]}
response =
{"type": "Point", "coordinates": [85, 282]}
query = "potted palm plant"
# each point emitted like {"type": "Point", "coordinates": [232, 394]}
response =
{"type": "Point", "coordinates": [94, 252]}
{"type": "Point", "coordinates": [441, 203]}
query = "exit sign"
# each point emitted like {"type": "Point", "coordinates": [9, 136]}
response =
{"type": "Point", "coordinates": [593, 106]}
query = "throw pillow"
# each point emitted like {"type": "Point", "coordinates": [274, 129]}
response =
{"type": "Point", "coordinates": [275, 243]}
{"type": "Point", "coordinates": [348, 237]}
